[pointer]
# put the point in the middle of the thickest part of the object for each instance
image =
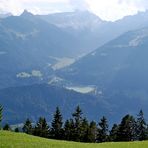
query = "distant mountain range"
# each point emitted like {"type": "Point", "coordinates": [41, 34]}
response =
{"type": "Point", "coordinates": [93, 31]}
{"type": "Point", "coordinates": [83, 25]}
{"type": "Point", "coordinates": [34, 47]}
{"type": "Point", "coordinates": [41, 43]}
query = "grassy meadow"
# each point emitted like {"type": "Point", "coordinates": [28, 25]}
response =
{"type": "Point", "coordinates": [20, 140]}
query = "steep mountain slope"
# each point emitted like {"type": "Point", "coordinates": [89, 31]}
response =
{"type": "Point", "coordinates": [30, 44]}
{"type": "Point", "coordinates": [41, 100]}
{"type": "Point", "coordinates": [126, 51]}
{"type": "Point", "coordinates": [119, 70]}
{"type": "Point", "coordinates": [34, 45]}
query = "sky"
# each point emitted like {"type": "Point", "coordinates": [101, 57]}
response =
{"type": "Point", "coordinates": [110, 10]}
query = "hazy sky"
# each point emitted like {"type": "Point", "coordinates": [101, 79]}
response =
{"type": "Point", "coordinates": [105, 9]}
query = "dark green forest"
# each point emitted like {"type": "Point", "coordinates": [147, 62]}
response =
{"type": "Point", "coordinates": [79, 129]}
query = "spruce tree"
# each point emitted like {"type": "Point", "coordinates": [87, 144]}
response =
{"type": "Point", "coordinates": [92, 132]}
{"type": "Point", "coordinates": [84, 130]}
{"type": "Point", "coordinates": [113, 133]}
{"type": "Point", "coordinates": [127, 129]}
{"type": "Point", "coordinates": [27, 128]}
{"type": "Point", "coordinates": [141, 131]}
{"type": "Point", "coordinates": [67, 130]}
{"type": "Point", "coordinates": [72, 131]}
{"type": "Point", "coordinates": [77, 115]}
{"type": "Point", "coordinates": [41, 128]}
{"type": "Point", "coordinates": [103, 130]}
{"type": "Point", "coordinates": [56, 125]}
{"type": "Point", "coordinates": [1, 115]}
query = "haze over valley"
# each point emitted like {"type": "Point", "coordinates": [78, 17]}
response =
{"type": "Point", "coordinates": [73, 58]}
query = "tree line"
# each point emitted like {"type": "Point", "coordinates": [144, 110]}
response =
{"type": "Point", "coordinates": [79, 129]}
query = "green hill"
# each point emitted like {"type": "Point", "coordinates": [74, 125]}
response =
{"type": "Point", "coordinates": [19, 140]}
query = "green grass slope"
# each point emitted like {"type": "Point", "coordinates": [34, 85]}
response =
{"type": "Point", "coordinates": [19, 140]}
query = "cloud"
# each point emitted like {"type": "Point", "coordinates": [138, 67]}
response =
{"type": "Point", "coordinates": [139, 4]}
{"type": "Point", "coordinates": [79, 4]}
{"type": "Point", "coordinates": [35, 6]}
{"type": "Point", "coordinates": [116, 9]}
{"type": "Point", "coordinates": [106, 9]}
{"type": "Point", "coordinates": [10, 6]}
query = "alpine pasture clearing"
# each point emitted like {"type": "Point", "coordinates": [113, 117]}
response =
{"type": "Point", "coordinates": [21, 140]}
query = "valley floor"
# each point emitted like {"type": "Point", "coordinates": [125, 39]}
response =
{"type": "Point", "coordinates": [19, 140]}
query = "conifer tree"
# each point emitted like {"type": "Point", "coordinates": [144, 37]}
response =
{"type": "Point", "coordinates": [41, 128]}
{"type": "Point", "coordinates": [141, 131]}
{"type": "Point", "coordinates": [103, 130]}
{"type": "Point", "coordinates": [92, 132]}
{"type": "Point", "coordinates": [27, 128]}
{"type": "Point", "coordinates": [72, 131]}
{"type": "Point", "coordinates": [67, 130]}
{"type": "Point", "coordinates": [77, 115]}
{"type": "Point", "coordinates": [84, 130]}
{"type": "Point", "coordinates": [56, 125]}
{"type": "Point", "coordinates": [127, 129]}
{"type": "Point", "coordinates": [113, 133]}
